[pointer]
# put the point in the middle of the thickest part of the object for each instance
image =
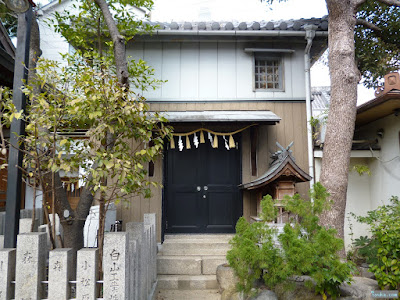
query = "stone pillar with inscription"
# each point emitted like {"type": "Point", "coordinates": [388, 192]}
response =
{"type": "Point", "coordinates": [60, 273]}
{"type": "Point", "coordinates": [30, 265]}
{"type": "Point", "coordinates": [86, 274]}
{"type": "Point", "coordinates": [7, 272]}
{"type": "Point", "coordinates": [136, 233]}
{"type": "Point", "coordinates": [150, 219]}
{"type": "Point", "coordinates": [116, 266]}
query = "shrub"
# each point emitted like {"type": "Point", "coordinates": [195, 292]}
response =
{"type": "Point", "coordinates": [382, 250]}
{"type": "Point", "coordinates": [304, 247]}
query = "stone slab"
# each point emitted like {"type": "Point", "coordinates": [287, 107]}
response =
{"type": "Point", "coordinates": [136, 232]}
{"type": "Point", "coordinates": [7, 271]}
{"type": "Point", "coordinates": [210, 264]}
{"type": "Point", "coordinates": [116, 266]}
{"type": "Point", "coordinates": [86, 274]}
{"type": "Point", "coordinates": [193, 247]}
{"type": "Point", "coordinates": [30, 265]}
{"type": "Point", "coordinates": [187, 282]}
{"type": "Point", "coordinates": [182, 265]}
{"type": "Point", "coordinates": [60, 273]}
{"type": "Point", "coordinates": [187, 294]}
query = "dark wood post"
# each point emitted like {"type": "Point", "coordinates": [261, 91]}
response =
{"type": "Point", "coordinates": [14, 177]}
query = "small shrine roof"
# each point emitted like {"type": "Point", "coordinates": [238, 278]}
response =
{"type": "Point", "coordinates": [283, 166]}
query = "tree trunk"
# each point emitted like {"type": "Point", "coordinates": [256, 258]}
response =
{"type": "Point", "coordinates": [342, 111]}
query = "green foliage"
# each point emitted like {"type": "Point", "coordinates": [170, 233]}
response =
{"type": "Point", "coordinates": [382, 250]}
{"type": "Point", "coordinates": [9, 20]}
{"type": "Point", "coordinates": [361, 169]}
{"type": "Point", "coordinates": [84, 26]}
{"type": "Point", "coordinates": [302, 249]}
{"type": "Point", "coordinates": [85, 94]}
{"type": "Point", "coordinates": [377, 53]}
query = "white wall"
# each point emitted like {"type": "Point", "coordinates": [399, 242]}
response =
{"type": "Point", "coordinates": [214, 71]}
{"type": "Point", "coordinates": [385, 170]}
{"type": "Point", "coordinates": [365, 192]}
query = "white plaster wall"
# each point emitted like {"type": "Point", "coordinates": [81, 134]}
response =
{"type": "Point", "coordinates": [365, 192]}
{"type": "Point", "coordinates": [358, 198]}
{"type": "Point", "coordinates": [29, 198]}
{"type": "Point", "coordinates": [386, 169]}
{"type": "Point", "coordinates": [52, 43]}
{"type": "Point", "coordinates": [214, 71]}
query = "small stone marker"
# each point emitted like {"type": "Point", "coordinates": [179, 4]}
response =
{"type": "Point", "coordinates": [116, 266]}
{"type": "Point", "coordinates": [7, 271]}
{"type": "Point", "coordinates": [1, 241]}
{"type": "Point", "coordinates": [25, 225]}
{"type": "Point", "coordinates": [60, 273]}
{"type": "Point", "coordinates": [30, 265]}
{"type": "Point", "coordinates": [86, 274]}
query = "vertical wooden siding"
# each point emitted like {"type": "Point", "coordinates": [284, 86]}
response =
{"type": "Point", "coordinates": [212, 71]}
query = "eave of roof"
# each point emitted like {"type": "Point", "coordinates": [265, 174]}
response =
{"type": "Point", "coordinates": [377, 108]}
{"type": "Point", "coordinates": [221, 116]}
{"type": "Point", "coordinates": [275, 172]}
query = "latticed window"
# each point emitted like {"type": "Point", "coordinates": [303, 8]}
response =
{"type": "Point", "coordinates": [268, 73]}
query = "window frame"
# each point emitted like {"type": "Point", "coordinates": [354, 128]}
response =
{"type": "Point", "coordinates": [267, 56]}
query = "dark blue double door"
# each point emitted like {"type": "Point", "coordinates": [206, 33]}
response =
{"type": "Point", "coordinates": [201, 191]}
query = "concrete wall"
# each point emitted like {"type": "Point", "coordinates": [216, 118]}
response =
{"type": "Point", "coordinates": [215, 70]}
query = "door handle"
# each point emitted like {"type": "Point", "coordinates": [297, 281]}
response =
{"type": "Point", "coordinates": [206, 188]}
{"type": "Point", "coordinates": [198, 188]}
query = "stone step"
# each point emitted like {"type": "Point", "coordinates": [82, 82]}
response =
{"type": "Point", "coordinates": [210, 264]}
{"type": "Point", "coordinates": [189, 265]}
{"type": "Point", "coordinates": [179, 265]}
{"type": "Point", "coordinates": [187, 295]}
{"type": "Point", "coordinates": [187, 282]}
{"type": "Point", "coordinates": [194, 247]}
{"type": "Point", "coordinates": [223, 237]}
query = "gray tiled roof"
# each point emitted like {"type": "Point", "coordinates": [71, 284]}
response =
{"type": "Point", "coordinates": [290, 25]}
{"type": "Point", "coordinates": [321, 96]}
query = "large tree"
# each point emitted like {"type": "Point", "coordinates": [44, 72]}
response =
{"type": "Point", "coordinates": [345, 71]}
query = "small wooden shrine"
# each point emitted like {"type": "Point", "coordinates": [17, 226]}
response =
{"type": "Point", "coordinates": [278, 181]}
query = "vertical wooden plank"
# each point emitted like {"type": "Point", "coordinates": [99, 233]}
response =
{"type": "Point", "coordinates": [60, 273]}
{"type": "Point", "coordinates": [254, 131]}
{"type": "Point", "coordinates": [280, 127]}
{"type": "Point", "coordinates": [86, 274]}
{"type": "Point", "coordinates": [171, 70]}
{"type": "Point", "coordinates": [244, 72]}
{"type": "Point", "coordinates": [208, 71]}
{"type": "Point", "coordinates": [289, 124]}
{"type": "Point", "coordinates": [226, 70]}
{"type": "Point", "coordinates": [30, 265]}
{"type": "Point", "coordinates": [7, 271]}
{"type": "Point", "coordinates": [297, 76]}
{"type": "Point", "coordinates": [152, 53]}
{"type": "Point", "coordinates": [189, 71]}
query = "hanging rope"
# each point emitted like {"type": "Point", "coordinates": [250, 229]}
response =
{"type": "Point", "coordinates": [212, 132]}
{"type": "Point", "coordinates": [214, 141]}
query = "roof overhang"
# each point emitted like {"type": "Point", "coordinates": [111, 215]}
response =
{"type": "Point", "coordinates": [214, 116]}
{"type": "Point", "coordinates": [379, 107]}
{"type": "Point", "coordinates": [287, 168]}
